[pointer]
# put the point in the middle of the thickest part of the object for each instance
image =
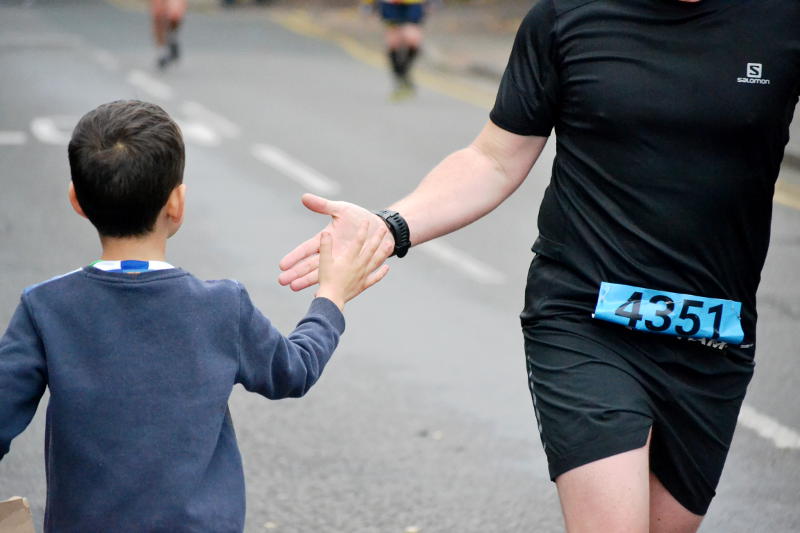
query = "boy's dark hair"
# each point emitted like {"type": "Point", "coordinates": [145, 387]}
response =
{"type": "Point", "coordinates": [125, 157]}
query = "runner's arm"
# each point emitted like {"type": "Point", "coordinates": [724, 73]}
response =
{"type": "Point", "coordinates": [464, 187]}
{"type": "Point", "coordinates": [469, 183]}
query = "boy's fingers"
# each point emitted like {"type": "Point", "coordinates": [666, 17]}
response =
{"type": "Point", "coordinates": [376, 276]}
{"type": "Point", "coordinates": [380, 254]}
{"type": "Point", "coordinates": [325, 247]}
{"type": "Point", "coordinates": [310, 247]}
{"type": "Point", "coordinates": [373, 242]}
{"type": "Point", "coordinates": [356, 247]}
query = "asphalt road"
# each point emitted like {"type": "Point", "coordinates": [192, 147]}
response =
{"type": "Point", "coordinates": [422, 421]}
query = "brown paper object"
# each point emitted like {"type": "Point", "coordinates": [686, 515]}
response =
{"type": "Point", "coordinates": [15, 516]}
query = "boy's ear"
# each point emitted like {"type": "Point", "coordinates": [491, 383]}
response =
{"type": "Point", "coordinates": [73, 200]}
{"type": "Point", "coordinates": [176, 203]}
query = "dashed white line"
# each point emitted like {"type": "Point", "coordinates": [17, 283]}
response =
{"type": "Point", "coordinates": [150, 85]}
{"type": "Point", "coordinates": [199, 133]}
{"type": "Point", "coordinates": [105, 59]}
{"type": "Point", "coordinates": [294, 169]}
{"type": "Point", "coordinates": [220, 123]}
{"type": "Point", "coordinates": [780, 435]}
{"type": "Point", "coordinates": [14, 138]}
{"type": "Point", "coordinates": [54, 129]}
{"type": "Point", "coordinates": [466, 264]}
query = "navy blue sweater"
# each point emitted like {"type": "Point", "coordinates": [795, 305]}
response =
{"type": "Point", "coordinates": [140, 368]}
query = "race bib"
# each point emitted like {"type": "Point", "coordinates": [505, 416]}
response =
{"type": "Point", "coordinates": [670, 313]}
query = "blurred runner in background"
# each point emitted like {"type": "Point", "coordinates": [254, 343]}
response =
{"type": "Point", "coordinates": [167, 18]}
{"type": "Point", "coordinates": [403, 19]}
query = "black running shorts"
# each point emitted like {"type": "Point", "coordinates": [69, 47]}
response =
{"type": "Point", "coordinates": [398, 14]}
{"type": "Point", "coordinates": [598, 388]}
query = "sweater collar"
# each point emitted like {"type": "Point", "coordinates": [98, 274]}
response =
{"type": "Point", "coordinates": [130, 266]}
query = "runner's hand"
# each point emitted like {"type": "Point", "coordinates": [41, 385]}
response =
{"type": "Point", "coordinates": [300, 266]}
{"type": "Point", "coordinates": [346, 269]}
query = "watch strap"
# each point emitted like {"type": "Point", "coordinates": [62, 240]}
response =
{"type": "Point", "coordinates": [399, 228]}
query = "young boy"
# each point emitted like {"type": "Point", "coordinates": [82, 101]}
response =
{"type": "Point", "coordinates": [140, 357]}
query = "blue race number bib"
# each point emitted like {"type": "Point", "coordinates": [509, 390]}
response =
{"type": "Point", "coordinates": [670, 313]}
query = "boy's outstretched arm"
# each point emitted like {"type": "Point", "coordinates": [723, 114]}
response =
{"type": "Point", "coordinates": [279, 367]}
{"type": "Point", "coordinates": [23, 376]}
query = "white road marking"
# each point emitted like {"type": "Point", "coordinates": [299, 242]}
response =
{"type": "Point", "coordinates": [197, 132]}
{"type": "Point", "coordinates": [294, 169]}
{"type": "Point", "coordinates": [14, 138]}
{"type": "Point", "coordinates": [105, 59]}
{"type": "Point", "coordinates": [150, 85]}
{"type": "Point", "coordinates": [29, 39]}
{"type": "Point", "coordinates": [220, 123]}
{"type": "Point", "coordinates": [766, 427]}
{"type": "Point", "coordinates": [55, 129]}
{"type": "Point", "coordinates": [466, 264]}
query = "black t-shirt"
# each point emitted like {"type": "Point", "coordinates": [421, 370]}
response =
{"type": "Point", "coordinates": [671, 120]}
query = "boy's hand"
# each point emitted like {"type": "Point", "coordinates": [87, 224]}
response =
{"type": "Point", "coordinates": [300, 266]}
{"type": "Point", "coordinates": [348, 267]}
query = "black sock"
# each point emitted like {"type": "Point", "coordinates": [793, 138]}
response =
{"type": "Point", "coordinates": [411, 54]}
{"type": "Point", "coordinates": [396, 60]}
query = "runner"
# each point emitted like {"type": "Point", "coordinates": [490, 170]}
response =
{"type": "Point", "coordinates": [167, 18]}
{"type": "Point", "coordinates": [403, 20]}
{"type": "Point", "coordinates": [671, 117]}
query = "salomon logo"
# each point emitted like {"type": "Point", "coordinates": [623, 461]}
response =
{"type": "Point", "coordinates": [754, 73]}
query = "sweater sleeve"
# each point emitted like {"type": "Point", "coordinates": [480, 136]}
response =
{"type": "Point", "coordinates": [23, 376]}
{"type": "Point", "coordinates": [276, 366]}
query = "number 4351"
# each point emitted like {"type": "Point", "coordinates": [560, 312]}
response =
{"type": "Point", "coordinates": [688, 321]}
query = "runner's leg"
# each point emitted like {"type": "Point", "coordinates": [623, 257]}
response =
{"type": "Point", "coordinates": [412, 42]}
{"type": "Point", "coordinates": [176, 9]}
{"type": "Point", "coordinates": [610, 494]}
{"type": "Point", "coordinates": [175, 12]}
{"type": "Point", "coordinates": [398, 54]}
{"type": "Point", "coordinates": [666, 514]}
{"type": "Point", "coordinates": [158, 14]}
{"type": "Point", "coordinates": [159, 11]}
{"type": "Point", "coordinates": [394, 48]}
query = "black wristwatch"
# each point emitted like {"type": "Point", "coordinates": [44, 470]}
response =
{"type": "Point", "coordinates": [399, 228]}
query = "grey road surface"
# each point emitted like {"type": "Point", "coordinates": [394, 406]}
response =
{"type": "Point", "coordinates": [422, 421]}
